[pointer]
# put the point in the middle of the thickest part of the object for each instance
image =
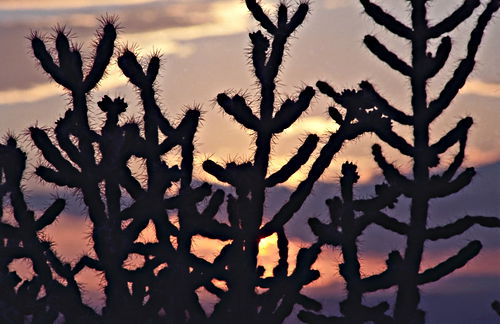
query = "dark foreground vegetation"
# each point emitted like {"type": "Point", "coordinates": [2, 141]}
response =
{"type": "Point", "coordinates": [96, 163]}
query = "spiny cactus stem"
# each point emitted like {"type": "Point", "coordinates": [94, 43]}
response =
{"type": "Point", "coordinates": [350, 269]}
{"type": "Point", "coordinates": [41, 256]}
{"type": "Point", "coordinates": [454, 19]}
{"type": "Point", "coordinates": [326, 154]}
{"type": "Point", "coordinates": [261, 158]}
{"type": "Point", "coordinates": [408, 295]}
{"type": "Point", "coordinates": [466, 65]}
{"type": "Point", "coordinates": [80, 124]}
{"type": "Point", "coordinates": [386, 20]}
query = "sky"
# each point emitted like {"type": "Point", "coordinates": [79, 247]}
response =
{"type": "Point", "coordinates": [204, 45]}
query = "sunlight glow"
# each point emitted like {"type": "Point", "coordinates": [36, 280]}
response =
{"type": "Point", "coordinates": [267, 243]}
{"type": "Point", "coordinates": [268, 254]}
{"type": "Point", "coordinates": [206, 248]}
{"type": "Point", "coordinates": [227, 19]}
{"type": "Point", "coordinates": [314, 125]}
{"type": "Point", "coordinates": [148, 235]}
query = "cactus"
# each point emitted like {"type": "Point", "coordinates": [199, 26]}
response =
{"type": "Point", "coordinates": [403, 271]}
{"type": "Point", "coordinates": [496, 306]}
{"type": "Point", "coordinates": [251, 179]}
{"type": "Point", "coordinates": [42, 297]}
{"type": "Point", "coordinates": [95, 163]}
{"type": "Point", "coordinates": [344, 231]}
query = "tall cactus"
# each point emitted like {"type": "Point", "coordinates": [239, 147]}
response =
{"type": "Point", "coordinates": [251, 179]}
{"type": "Point", "coordinates": [404, 271]}
{"type": "Point", "coordinates": [96, 163]}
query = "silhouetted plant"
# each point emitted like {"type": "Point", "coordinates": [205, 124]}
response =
{"type": "Point", "coordinates": [43, 297]}
{"type": "Point", "coordinates": [251, 179]}
{"type": "Point", "coordinates": [404, 271]}
{"type": "Point", "coordinates": [238, 260]}
{"type": "Point", "coordinates": [496, 306]}
{"type": "Point", "coordinates": [96, 163]}
{"type": "Point", "coordinates": [344, 230]}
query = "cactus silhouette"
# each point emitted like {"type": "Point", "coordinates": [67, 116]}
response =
{"type": "Point", "coordinates": [251, 179]}
{"type": "Point", "coordinates": [344, 231]}
{"type": "Point", "coordinates": [22, 299]}
{"type": "Point", "coordinates": [120, 206]}
{"type": "Point", "coordinates": [96, 161]}
{"type": "Point", "coordinates": [403, 271]}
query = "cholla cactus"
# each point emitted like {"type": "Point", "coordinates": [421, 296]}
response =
{"type": "Point", "coordinates": [42, 297]}
{"type": "Point", "coordinates": [403, 271]}
{"type": "Point", "coordinates": [344, 230]}
{"type": "Point", "coordinates": [96, 163]}
{"type": "Point", "coordinates": [251, 179]}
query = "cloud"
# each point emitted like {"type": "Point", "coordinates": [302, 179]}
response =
{"type": "Point", "coordinates": [32, 94]}
{"type": "Point", "coordinates": [19, 5]}
{"type": "Point", "coordinates": [46, 90]}
{"type": "Point", "coordinates": [225, 19]}
{"type": "Point", "coordinates": [473, 299]}
{"type": "Point", "coordinates": [477, 156]}
{"type": "Point", "coordinates": [72, 237]}
{"type": "Point", "coordinates": [481, 88]}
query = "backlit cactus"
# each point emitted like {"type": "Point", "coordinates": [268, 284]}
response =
{"type": "Point", "coordinates": [403, 270]}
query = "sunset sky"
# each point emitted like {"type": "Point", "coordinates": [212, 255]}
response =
{"type": "Point", "coordinates": [204, 42]}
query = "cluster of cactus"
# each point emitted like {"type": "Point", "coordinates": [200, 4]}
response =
{"type": "Point", "coordinates": [403, 271]}
{"type": "Point", "coordinates": [42, 297]}
{"type": "Point", "coordinates": [120, 206]}
{"type": "Point", "coordinates": [251, 179]}
{"type": "Point", "coordinates": [97, 164]}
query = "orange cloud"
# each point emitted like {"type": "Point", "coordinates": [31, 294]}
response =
{"type": "Point", "coordinates": [227, 18]}
{"type": "Point", "coordinates": [476, 157]}
{"type": "Point", "coordinates": [481, 88]}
